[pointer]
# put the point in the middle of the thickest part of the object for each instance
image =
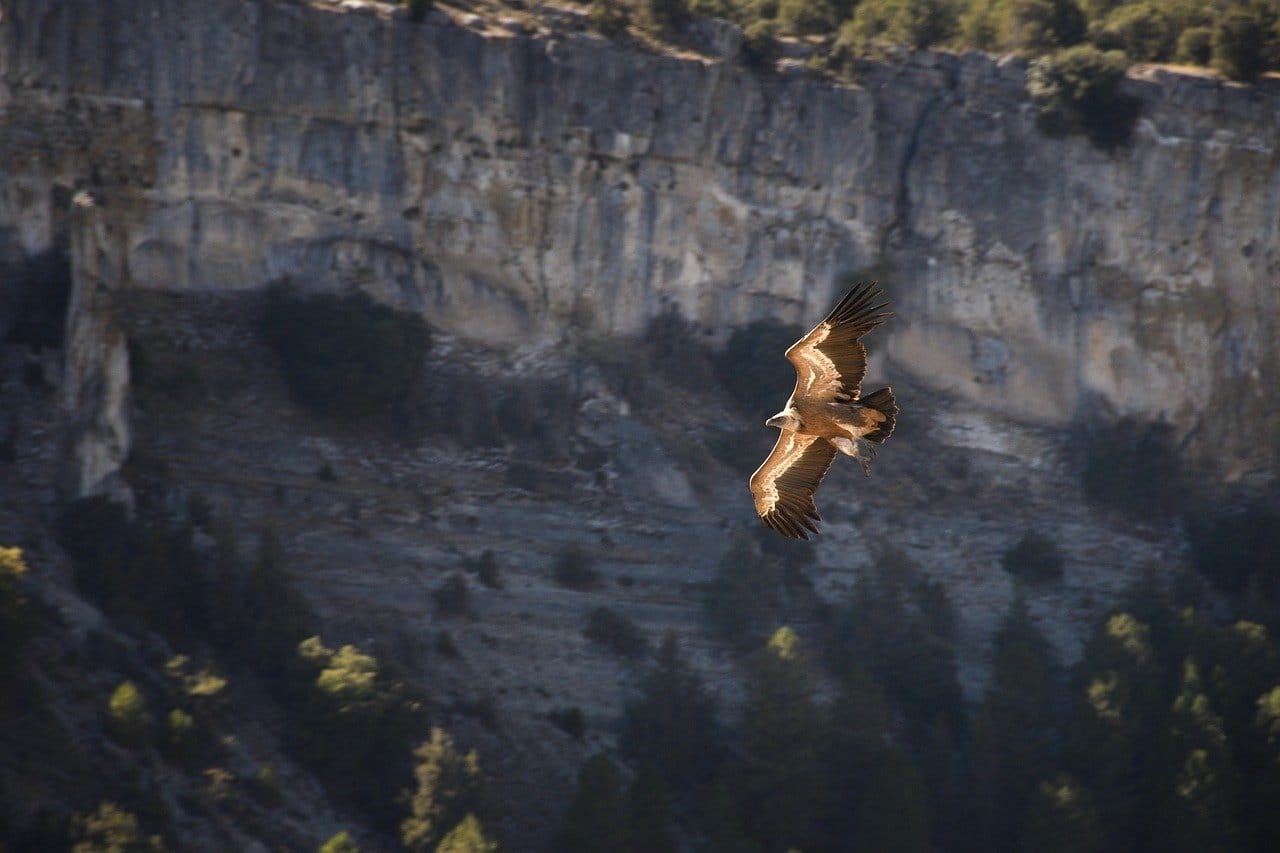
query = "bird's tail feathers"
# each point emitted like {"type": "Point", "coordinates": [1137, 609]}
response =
{"type": "Point", "coordinates": [882, 401]}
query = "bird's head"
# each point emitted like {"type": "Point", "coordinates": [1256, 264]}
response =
{"type": "Point", "coordinates": [784, 420]}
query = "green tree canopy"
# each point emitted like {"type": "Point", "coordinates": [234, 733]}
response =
{"type": "Point", "coordinates": [12, 607]}
{"type": "Point", "coordinates": [447, 781]}
{"type": "Point", "coordinates": [1120, 709]}
{"type": "Point", "coordinates": [672, 723]}
{"type": "Point", "coordinates": [1077, 90]}
{"type": "Point", "coordinates": [1199, 809]}
{"type": "Point", "coordinates": [127, 715]}
{"type": "Point", "coordinates": [1040, 25]}
{"type": "Point", "coordinates": [894, 812]}
{"type": "Point", "coordinates": [340, 843]}
{"type": "Point", "coordinates": [750, 367]}
{"type": "Point", "coordinates": [353, 724]}
{"type": "Point", "coordinates": [861, 764]}
{"type": "Point", "coordinates": [1062, 819]}
{"type": "Point", "coordinates": [467, 837]}
{"type": "Point", "coordinates": [780, 776]}
{"type": "Point", "coordinates": [744, 601]}
{"type": "Point", "coordinates": [650, 812]}
{"type": "Point", "coordinates": [808, 16]}
{"type": "Point", "coordinates": [344, 354]}
{"type": "Point", "coordinates": [915, 23]}
{"type": "Point", "coordinates": [1240, 41]}
{"type": "Point", "coordinates": [597, 819]}
{"type": "Point", "coordinates": [111, 829]}
{"type": "Point", "coordinates": [1034, 558]}
{"type": "Point", "coordinates": [1015, 732]}
{"type": "Point", "coordinates": [615, 632]}
{"type": "Point", "coordinates": [901, 627]}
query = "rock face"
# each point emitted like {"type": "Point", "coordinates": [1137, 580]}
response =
{"type": "Point", "coordinates": [508, 185]}
{"type": "Point", "coordinates": [519, 186]}
{"type": "Point", "coordinates": [95, 392]}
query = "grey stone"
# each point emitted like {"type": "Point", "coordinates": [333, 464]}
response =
{"type": "Point", "coordinates": [502, 188]}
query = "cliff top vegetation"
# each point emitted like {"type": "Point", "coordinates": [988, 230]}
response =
{"type": "Point", "coordinates": [1238, 38]}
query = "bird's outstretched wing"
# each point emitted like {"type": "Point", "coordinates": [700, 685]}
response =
{"type": "Point", "coordinates": [784, 484]}
{"type": "Point", "coordinates": [830, 361]}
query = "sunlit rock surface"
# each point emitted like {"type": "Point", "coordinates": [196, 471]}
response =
{"type": "Point", "coordinates": [507, 184]}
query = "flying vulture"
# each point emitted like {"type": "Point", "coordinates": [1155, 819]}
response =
{"type": "Point", "coordinates": [825, 413]}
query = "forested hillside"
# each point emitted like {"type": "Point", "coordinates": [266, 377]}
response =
{"type": "Point", "coordinates": [211, 684]}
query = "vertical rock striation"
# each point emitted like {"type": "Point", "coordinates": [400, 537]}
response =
{"type": "Point", "coordinates": [95, 389]}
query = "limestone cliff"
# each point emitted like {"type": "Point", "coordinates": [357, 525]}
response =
{"type": "Point", "coordinates": [96, 385]}
{"type": "Point", "coordinates": [522, 181]}
{"type": "Point", "coordinates": [508, 184]}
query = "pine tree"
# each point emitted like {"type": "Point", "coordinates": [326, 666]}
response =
{"type": "Point", "coordinates": [1110, 741]}
{"type": "Point", "coordinates": [12, 608]}
{"type": "Point", "coordinates": [860, 764]}
{"type": "Point", "coordinates": [127, 715]}
{"type": "Point", "coordinates": [340, 843]}
{"type": "Point", "coordinates": [650, 812]}
{"type": "Point", "coordinates": [1199, 809]}
{"type": "Point", "coordinates": [446, 784]}
{"type": "Point", "coordinates": [279, 617]}
{"type": "Point", "coordinates": [597, 819]}
{"type": "Point", "coordinates": [467, 837]}
{"type": "Point", "coordinates": [743, 602]}
{"type": "Point", "coordinates": [1241, 663]}
{"type": "Point", "coordinates": [1062, 819]}
{"type": "Point", "coordinates": [1014, 732]}
{"type": "Point", "coordinates": [900, 627]}
{"type": "Point", "coordinates": [937, 758]}
{"type": "Point", "coordinates": [782, 786]}
{"type": "Point", "coordinates": [720, 819]}
{"type": "Point", "coordinates": [1265, 789]}
{"type": "Point", "coordinates": [894, 812]}
{"type": "Point", "coordinates": [673, 722]}
{"type": "Point", "coordinates": [111, 829]}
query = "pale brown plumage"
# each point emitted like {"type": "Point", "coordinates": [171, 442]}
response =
{"type": "Point", "coordinates": [784, 484]}
{"type": "Point", "coordinates": [824, 414]}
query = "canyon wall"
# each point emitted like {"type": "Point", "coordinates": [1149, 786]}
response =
{"type": "Point", "coordinates": [512, 181]}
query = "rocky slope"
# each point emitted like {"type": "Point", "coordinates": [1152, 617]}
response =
{"type": "Point", "coordinates": [374, 524]}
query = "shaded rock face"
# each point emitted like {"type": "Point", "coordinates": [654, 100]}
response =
{"type": "Point", "coordinates": [509, 186]}
{"type": "Point", "coordinates": [95, 389]}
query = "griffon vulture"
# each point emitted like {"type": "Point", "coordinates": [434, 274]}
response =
{"type": "Point", "coordinates": [825, 413]}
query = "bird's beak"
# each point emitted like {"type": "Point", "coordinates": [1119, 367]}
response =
{"type": "Point", "coordinates": [776, 421]}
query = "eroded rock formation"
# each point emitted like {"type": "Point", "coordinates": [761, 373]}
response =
{"type": "Point", "coordinates": [509, 185]}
